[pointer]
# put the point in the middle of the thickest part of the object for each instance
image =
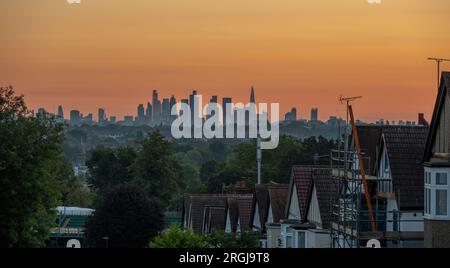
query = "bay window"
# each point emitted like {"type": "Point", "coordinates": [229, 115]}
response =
{"type": "Point", "coordinates": [437, 194]}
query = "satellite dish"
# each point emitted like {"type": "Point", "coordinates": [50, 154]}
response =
{"type": "Point", "coordinates": [73, 243]}
{"type": "Point", "coordinates": [373, 243]}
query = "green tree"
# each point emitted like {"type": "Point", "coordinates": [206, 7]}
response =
{"type": "Point", "coordinates": [30, 156]}
{"type": "Point", "coordinates": [154, 168]}
{"type": "Point", "coordinates": [176, 237]}
{"type": "Point", "coordinates": [74, 191]}
{"type": "Point", "coordinates": [127, 217]}
{"type": "Point", "coordinates": [220, 239]}
{"type": "Point", "coordinates": [207, 169]}
{"type": "Point", "coordinates": [109, 167]}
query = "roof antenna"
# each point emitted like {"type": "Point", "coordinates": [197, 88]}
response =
{"type": "Point", "coordinates": [438, 62]}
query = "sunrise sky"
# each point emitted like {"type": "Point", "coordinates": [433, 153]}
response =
{"type": "Point", "coordinates": [301, 53]}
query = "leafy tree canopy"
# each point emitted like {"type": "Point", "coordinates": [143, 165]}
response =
{"type": "Point", "coordinates": [30, 163]}
{"type": "Point", "coordinates": [127, 217]}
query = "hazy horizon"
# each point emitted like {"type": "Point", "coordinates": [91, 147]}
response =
{"type": "Point", "coordinates": [304, 54]}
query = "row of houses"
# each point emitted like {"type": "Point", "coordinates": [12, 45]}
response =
{"type": "Point", "coordinates": [407, 170]}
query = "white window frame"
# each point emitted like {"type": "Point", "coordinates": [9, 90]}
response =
{"type": "Point", "coordinates": [430, 193]}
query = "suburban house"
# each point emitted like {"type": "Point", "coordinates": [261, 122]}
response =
{"type": "Point", "coordinates": [300, 189]}
{"type": "Point", "coordinates": [312, 192]}
{"type": "Point", "coordinates": [268, 208]}
{"type": "Point", "coordinates": [198, 210]}
{"type": "Point", "coordinates": [437, 171]}
{"type": "Point", "coordinates": [400, 183]}
{"type": "Point", "coordinates": [213, 219]}
{"type": "Point", "coordinates": [238, 212]}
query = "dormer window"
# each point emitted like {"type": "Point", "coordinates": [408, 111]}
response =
{"type": "Point", "coordinates": [437, 193]}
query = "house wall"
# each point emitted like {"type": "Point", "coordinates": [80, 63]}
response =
{"type": "Point", "coordinates": [442, 142]}
{"type": "Point", "coordinates": [314, 211]}
{"type": "Point", "coordinates": [318, 239]}
{"type": "Point", "coordinates": [228, 223]}
{"type": "Point", "coordinates": [437, 234]}
{"type": "Point", "coordinates": [256, 219]}
{"type": "Point", "coordinates": [270, 214]}
{"type": "Point", "coordinates": [407, 221]}
{"type": "Point", "coordinates": [294, 209]}
{"type": "Point", "coordinates": [273, 236]}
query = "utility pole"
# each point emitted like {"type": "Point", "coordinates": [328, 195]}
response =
{"type": "Point", "coordinates": [258, 157]}
{"type": "Point", "coordinates": [438, 62]}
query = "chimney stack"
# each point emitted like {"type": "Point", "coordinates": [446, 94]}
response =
{"type": "Point", "coordinates": [422, 121]}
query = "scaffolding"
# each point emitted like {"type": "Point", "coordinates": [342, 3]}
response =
{"type": "Point", "coordinates": [350, 224]}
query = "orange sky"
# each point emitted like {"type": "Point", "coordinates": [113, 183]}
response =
{"type": "Point", "coordinates": [301, 53]}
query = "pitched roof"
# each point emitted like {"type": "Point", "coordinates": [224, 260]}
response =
{"type": "Point", "coordinates": [214, 219]}
{"type": "Point", "coordinates": [278, 194]}
{"type": "Point", "coordinates": [405, 146]}
{"type": "Point", "coordinates": [443, 94]}
{"type": "Point", "coordinates": [195, 209]}
{"type": "Point", "coordinates": [260, 199]}
{"type": "Point", "coordinates": [233, 212]}
{"type": "Point", "coordinates": [369, 137]}
{"type": "Point", "coordinates": [327, 191]}
{"type": "Point", "coordinates": [301, 178]}
{"type": "Point", "coordinates": [245, 210]}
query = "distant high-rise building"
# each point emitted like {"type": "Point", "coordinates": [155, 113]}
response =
{"type": "Point", "coordinates": [213, 100]}
{"type": "Point", "coordinates": [89, 119]}
{"type": "Point", "coordinates": [252, 95]}
{"type": "Point", "coordinates": [140, 117]}
{"type": "Point", "coordinates": [225, 111]}
{"type": "Point", "coordinates": [75, 117]}
{"type": "Point", "coordinates": [166, 111]}
{"type": "Point", "coordinates": [291, 115]}
{"type": "Point", "coordinates": [112, 119]}
{"type": "Point", "coordinates": [149, 113]}
{"type": "Point", "coordinates": [60, 113]}
{"type": "Point", "coordinates": [156, 108]}
{"type": "Point", "coordinates": [101, 116]}
{"type": "Point", "coordinates": [314, 114]}
{"type": "Point", "coordinates": [172, 103]}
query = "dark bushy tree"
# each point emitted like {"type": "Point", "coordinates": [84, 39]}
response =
{"type": "Point", "coordinates": [30, 157]}
{"type": "Point", "coordinates": [176, 237]}
{"type": "Point", "coordinates": [127, 217]}
{"type": "Point", "coordinates": [154, 168]}
{"type": "Point", "coordinates": [109, 167]}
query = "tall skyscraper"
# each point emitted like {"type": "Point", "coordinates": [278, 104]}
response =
{"type": "Point", "coordinates": [191, 101]}
{"type": "Point", "coordinates": [101, 116]}
{"type": "Point", "coordinates": [252, 95]}
{"type": "Point", "coordinates": [173, 102]}
{"type": "Point", "coordinates": [60, 113]}
{"type": "Point", "coordinates": [165, 111]}
{"type": "Point", "coordinates": [75, 117]}
{"type": "Point", "coordinates": [314, 114]}
{"type": "Point", "coordinates": [225, 101]}
{"type": "Point", "coordinates": [89, 119]}
{"type": "Point", "coordinates": [156, 108]}
{"type": "Point", "coordinates": [212, 101]}
{"type": "Point", "coordinates": [140, 118]}
{"type": "Point", "coordinates": [149, 113]}
{"type": "Point", "coordinates": [292, 115]}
